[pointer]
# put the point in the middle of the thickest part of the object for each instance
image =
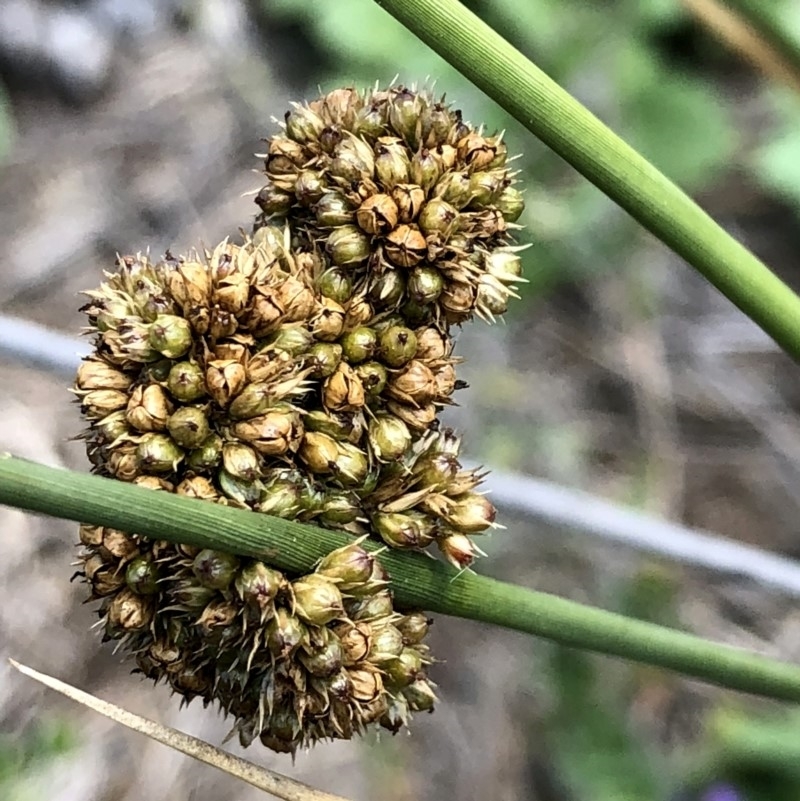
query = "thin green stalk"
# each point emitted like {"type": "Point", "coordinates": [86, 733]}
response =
{"type": "Point", "coordinates": [762, 16]}
{"type": "Point", "coordinates": [562, 123]}
{"type": "Point", "coordinates": [417, 581]}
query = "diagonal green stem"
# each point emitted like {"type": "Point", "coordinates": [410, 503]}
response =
{"type": "Point", "coordinates": [417, 581]}
{"type": "Point", "coordinates": [562, 123]}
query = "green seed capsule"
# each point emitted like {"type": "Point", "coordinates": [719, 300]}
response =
{"type": "Point", "coordinates": [373, 378]}
{"type": "Point", "coordinates": [243, 491]}
{"type": "Point", "coordinates": [336, 284]}
{"type": "Point", "coordinates": [319, 452]}
{"type": "Point", "coordinates": [157, 453]}
{"type": "Point", "coordinates": [285, 633]}
{"type": "Point", "coordinates": [339, 510]}
{"type": "Point", "coordinates": [186, 382]}
{"type": "Point", "coordinates": [258, 586]}
{"type": "Point", "coordinates": [438, 217]}
{"type": "Point", "coordinates": [208, 455]}
{"type": "Point", "coordinates": [392, 165]}
{"type": "Point", "coordinates": [170, 335]}
{"type": "Point", "coordinates": [141, 576]}
{"type": "Point", "coordinates": [324, 358]}
{"type": "Point", "coordinates": [272, 200]}
{"type": "Point", "coordinates": [486, 187]}
{"type": "Point", "coordinates": [510, 203]}
{"type": "Point", "coordinates": [397, 345]}
{"type": "Point", "coordinates": [188, 426]}
{"type": "Point", "coordinates": [332, 210]}
{"type": "Point", "coordinates": [347, 245]}
{"type": "Point", "coordinates": [405, 669]}
{"type": "Point", "coordinates": [309, 187]}
{"type": "Point", "coordinates": [414, 627]}
{"type": "Point", "coordinates": [387, 645]}
{"type": "Point", "coordinates": [420, 696]}
{"type": "Point", "coordinates": [389, 437]}
{"type": "Point", "coordinates": [215, 569]}
{"type": "Point", "coordinates": [303, 125]}
{"type": "Point", "coordinates": [325, 661]}
{"type": "Point", "coordinates": [348, 566]}
{"type": "Point", "coordinates": [454, 187]}
{"type": "Point", "coordinates": [388, 288]}
{"type": "Point", "coordinates": [359, 344]}
{"type": "Point", "coordinates": [404, 529]}
{"type": "Point", "coordinates": [425, 284]}
{"type": "Point", "coordinates": [415, 313]}
{"type": "Point", "coordinates": [375, 607]}
{"type": "Point", "coordinates": [192, 596]}
{"type": "Point", "coordinates": [351, 465]}
{"type": "Point", "coordinates": [317, 600]}
{"type": "Point", "coordinates": [241, 461]}
{"type": "Point", "coordinates": [426, 167]}
{"type": "Point", "coordinates": [294, 338]}
{"type": "Point", "coordinates": [405, 109]}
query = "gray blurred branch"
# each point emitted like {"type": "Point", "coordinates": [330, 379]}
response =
{"type": "Point", "coordinates": [43, 348]}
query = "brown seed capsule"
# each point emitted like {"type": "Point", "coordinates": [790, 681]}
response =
{"type": "Point", "coordinates": [232, 292]}
{"type": "Point", "coordinates": [446, 382]}
{"type": "Point", "coordinates": [104, 579]}
{"type": "Point", "coordinates": [492, 297]}
{"type": "Point", "coordinates": [241, 461]}
{"type": "Point", "coordinates": [377, 214]}
{"type": "Point", "coordinates": [190, 284]}
{"type": "Point", "coordinates": [392, 165]}
{"type": "Point", "coordinates": [417, 418]}
{"type": "Point", "coordinates": [471, 513]}
{"type": "Point", "coordinates": [96, 374]}
{"type": "Point", "coordinates": [405, 246]}
{"type": "Point", "coordinates": [225, 378]}
{"type": "Point", "coordinates": [373, 608]}
{"type": "Point", "coordinates": [355, 640]}
{"type": "Point", "coordinates": [112, 427]}
{"type": "Point", "coordinates": [409, 199]}
{"type": "Point", "coordinates": [476, 151]}
{"type": "Point", "coordinates": [157, 453]}
{"type": "Point", "coordinates": [389, 437]}
{"type": "Point", "coordinates": [367, 685]}
{"type": "Point", "coordinates": [273, 434]}
{"type": "Point", "coordinates": [328, 321]}
{"type": "Point", "coordinates": [458, 550]}
{"type": "Point", "coordinates": [197, 487]}
{"type": "Point", "coordinates": [404, 529]}
{"type": "Point", "coordinates": [432, 344]}
{"type": "Point", "coordinates": [317, 600]}
{"type": "Point", "coordinates": [148, 408]}
{"type": "Point", "coordinates": [129, 611]}
{"type": "Point", "coordinates": [415, 384]}
{"type": "Point", "coordinates": [124, 464]}
{"type": "Point", "coordinates": [347, 245]}
{"type": "Point", "coordinates": [265, 313]}
{"type": "Point", "coordinates": [118, 545]}
{"type": "Point", "coordinates": [90, 535]}
{"type": "Point", "coordinates": [296, 299]}
{"type": "Point", "coordinates": [188, 426]}
{"type": "Point", "coordinates": [215, 570]}
{"type": "Point", "coordinates": [343, 391]}
{"type": "Point", "coordinates": [458, 300]}
{"type": "Point", "coordinates": [98, 403]}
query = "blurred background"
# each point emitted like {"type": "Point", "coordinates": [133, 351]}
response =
{"type": "Point", "coordinates": [131, 124]}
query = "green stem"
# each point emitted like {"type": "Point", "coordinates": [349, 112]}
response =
{"type": "Point", "coordinates": [417, 581]}
{"type": "Point", "coordinates": [765, 20]}
{"type": "Point", "coordinates": [573, 132]}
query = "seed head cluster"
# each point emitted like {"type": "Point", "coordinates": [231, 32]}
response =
{"type": "Point", "coordinates": [300, 374]}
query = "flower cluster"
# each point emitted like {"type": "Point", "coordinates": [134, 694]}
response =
{"type": "Point", "coordinates": [300, 374]}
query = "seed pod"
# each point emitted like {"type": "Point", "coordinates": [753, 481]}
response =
{"type": "Point", "coordinates": [190, 595]}
{"type": "Point", "coordinates": [317, 600]}
{"type": "Point", "coordinates": [342, 391]}
{"type": "Point", "coordinates": [414, 627]}
{"type": "Point", "coordinates": [425, 284]}
{"type": "Point", "coordinates": [367, 685]}
{"type": "Point", "coordinates": [333, 210]}
{"type": "Point", "coordinates": [254, 399]}
{"type": "Point", "coordinates": [258, 586]}
{"type": "Point", "coordinates": [141, 576]}
{"type": "Point", "coordinates": [389, 438]}
{"type": "Point", "coordinates": [339, 510]}
{"type": "Point", "coordinates": [214, 618]}
{"type": "Point", "coordinates": [188, 426]}
{"type": "Point", "coordinates": [198, 487]}
{"type": "Point", "coordinates": [458, 301]}
{"type": "Point", "coordinates": [392, 165]}
{"type": "Point", "coordinates": [326, 661]}
{"type": "Point", "coordinates": [186, 382]}
{"type": "Point", "coordinates": [303, 125]}
{"type": "Point", "coordinates": [240, 461]}
{"type": "Point", "coordinates": [208, 455]}
{"type": "Point", "coordinates": [405, 669]}
{"type": "Point", "coordinates": [157, 453]}
{"type": "Point", "coordinates": [347, 245]}
{"type": "Point", "coordinates": [457, 549]}
{"type": "Point", "coordinates": [372, 608]}
{"type": "Point", "coordinates": [409, 199]}
{"type": "Point", "coordinates": [373, 378]}
{"type": "Point", "coordinates": [416, 418]}
{"type": "Point", "coordinates": [388, 288]}
{"type": "Point", "coordinates": [351, 465]}
{"type": "Point", "coordinates": [405, 246]}
{"type": "Point", "coordinates": [215, 569]}
{"type": "Point", "coordinates": [225, 378]}
{"type": "Point", "coordinates": [377, 215]}
{"type": "Point", "coordinates": [96, 374]}
{"type": "Point", "coordinates": [420, 696]}
{"type": "Point", "coordinates": [454, 188]}
{"type": "Point", "coordinates": [486, 187]}
{"type": "Point", "coordinates": [359, 344]}
{"type": "Point", "coordinates": [476, 151]}
{"type": "Point", "coordinates": [189, 284]}
{"type": "Point", "coordinates": [281, 498]}
{"type": "Point", "coordinates": [296, 299]}
{"type": "Point", "coordinates": [503, 265]}
{"type": "Point", "coordinates": [243, 492]}
{"type": "Point", "coordinates": [104, 580]}
{"type": "Point", "coordinates": [397, 345]}
{"type": "Point", "coordinates": [272, 200]}
{"type": "Point", "coordinates": [404, 529]}
{"type": "Point", "coordinates": [415, 384]}
{"type": "Point", "coordinates": [471, 513]}
{"type": "Point", "coordinates": [124, 463]}
{"type": "Point", "coordinates": [328, 321]}
{"type": "Point", "coordinates": [112, 427]}
{"type": "Point", "coordinates": [98, 403]}
{"type": "Point", "coordinates": [129, 611]}
{"type": "Point", "coordinates": [355, 641]}
{"type": "Point", "coordinates": [387, 644]}
{"type": "Point", "coordinates": [347, 566]}
{"type": "Point", "coordinates": [432, 345]}
{"type": "Point", "coordinates": [336, 284]}
{"type": "Point", "coordinates": [492, 297]}
{"type": "Point", "coordinates": [285, 633]}
{"type": "Point", "coordinates": [148, 408]}
{"type": "Point", "coordinates": [272, 434]}
{"type": "Point", "coordinates": [170, 335]}
{"type": "Point", "coordinates": [318, 451]}
{"type": "Point", "coordinates": [438, 217]}
{"type": "Point", "coordinates": [510, 204]}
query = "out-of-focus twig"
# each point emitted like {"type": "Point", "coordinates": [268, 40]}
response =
{"type": "Point", "coordinates": [752, 29]}
{"type": "Point", "coordinates": [275, 784]}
